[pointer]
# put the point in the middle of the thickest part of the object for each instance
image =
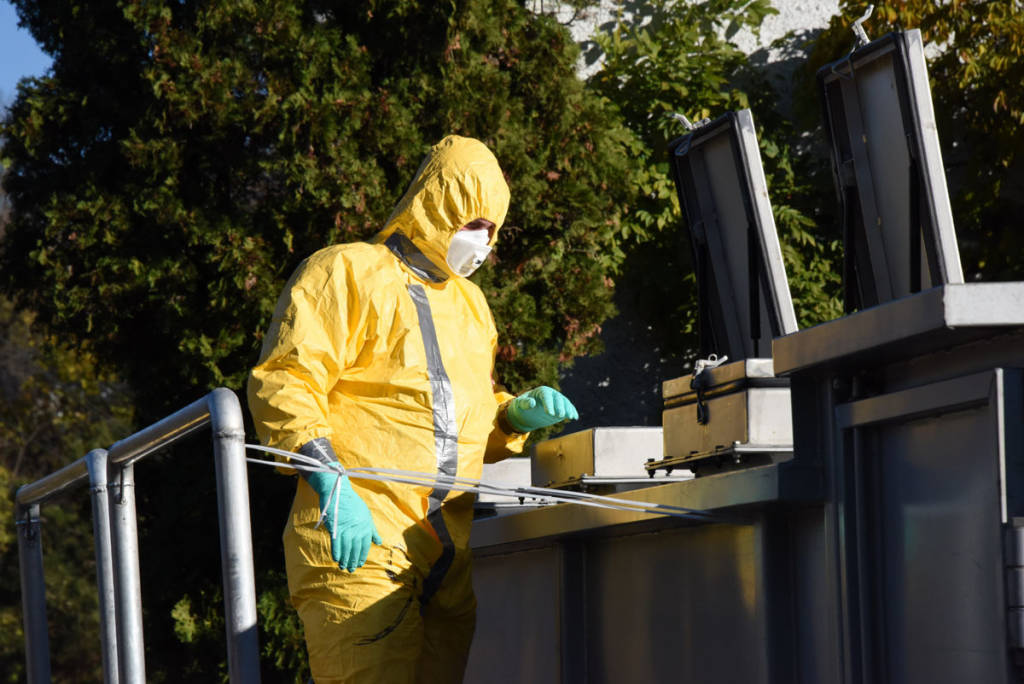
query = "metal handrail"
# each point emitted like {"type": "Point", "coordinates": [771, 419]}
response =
{"type": "Point", "coordinates": [110, 474]}
{"type": "Point", "coordinates": [160, 434]}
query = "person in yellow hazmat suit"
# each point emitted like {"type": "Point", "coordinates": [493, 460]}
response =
{"type": "Point", "coordinates": [381, 355]}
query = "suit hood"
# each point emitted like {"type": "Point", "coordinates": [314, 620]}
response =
{"type": "Point", "coordinates": [459, 181]}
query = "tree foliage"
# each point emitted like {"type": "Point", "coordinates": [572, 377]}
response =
{"type": "Point", "coordinates": [666, 57]}
{"type": "Point", "coordinates": [976, 64]}
{"type": "Point", "coordinates": [55, 402]}
{"type": "Point", "coordinates": [183, 157]}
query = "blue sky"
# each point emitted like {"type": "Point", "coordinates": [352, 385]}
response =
{"type": "Point", "coordinates": [19, 54]}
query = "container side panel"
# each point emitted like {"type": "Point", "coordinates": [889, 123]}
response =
{"type": "Point", "coordinates": [940, 550]}
{"type": "Point", "coordinates": [517, 623]}
{"type": "Point", "coordinates": [685, 605]}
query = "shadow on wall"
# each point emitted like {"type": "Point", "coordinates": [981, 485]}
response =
{"type": "Point", "coordinates": [622, 385]}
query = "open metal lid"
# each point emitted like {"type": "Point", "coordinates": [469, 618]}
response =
{"type": "Point", "coordinates": [744, 295]}
{"type": "Point", "coordinates": [897, 222]}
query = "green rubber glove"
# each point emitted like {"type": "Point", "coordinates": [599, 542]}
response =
{"type": "Point", "coordinates": [540, 407]}
{"type": "Point", "coordinates": [346, 517]}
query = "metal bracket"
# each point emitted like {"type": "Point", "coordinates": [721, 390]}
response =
{"type": "Point", "coordinates": [733, 455]}
{"type": "Point", "coordinates": [30, 524]}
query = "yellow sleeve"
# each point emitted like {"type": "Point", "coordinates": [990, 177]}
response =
{"type": "Point", "coordinates": [501, 444]}
{"type": "Point", "coordinates": [302, 357]}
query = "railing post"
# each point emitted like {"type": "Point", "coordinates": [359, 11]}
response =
{"type": "Point", "coordinates": [112, 479]}
{"type": "Point", "coordinates": [235, 536]}
{"type": "Point", "coordinates": [33, 594]}
{"type": "Point", "coordinates": [128, 587]}
{"type": "Point", "coordinates": [96, 461]}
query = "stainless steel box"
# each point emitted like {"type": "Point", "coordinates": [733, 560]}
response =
{"type": "Point", "coordinates": [597, 456]}
{"type": "Point", "coordinates": [512, 472]}
{"type": "Point", "coordinates": [735, 408]}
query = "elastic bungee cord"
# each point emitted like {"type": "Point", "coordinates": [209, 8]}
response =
{"type": "Point", "coordinates": [544, 495]}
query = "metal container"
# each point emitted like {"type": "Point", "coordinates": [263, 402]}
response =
{"type": "Point", "coordinates": [738, 413]}
{"type": "Point", "coordinates": [613, 456]}
{"type": "Point", "coordinates": [511, 472]}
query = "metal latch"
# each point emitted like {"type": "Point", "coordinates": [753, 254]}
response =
{"type": "Point", "coordinates": [697, 384]}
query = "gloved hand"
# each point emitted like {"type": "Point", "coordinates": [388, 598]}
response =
{"type": "Point", "coordinates": [347, 518]}
{"type": "Point", "coordinates": [538, 408]}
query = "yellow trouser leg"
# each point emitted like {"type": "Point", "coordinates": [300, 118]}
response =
{"type": "Point", "coordinates": [369, 626]}
{"type": "Point", "coordinates": [365, 627]}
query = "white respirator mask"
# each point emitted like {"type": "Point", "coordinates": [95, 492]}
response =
{"type": "Point", "coordinates": [467, 251]}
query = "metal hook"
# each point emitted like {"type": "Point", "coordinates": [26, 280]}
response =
{"type": "Point", "coordinates": [858, 30]}
{"type": "Point", "coordinates": [687, 123]}
{"type": "Point", "coordinates": [683, 120]}
{"type": "Point", "coordinates": [861, 39]}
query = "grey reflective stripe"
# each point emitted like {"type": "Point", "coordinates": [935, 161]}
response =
{"type": "Point", "coordinates": [446, 438]}
{"type": "Point", "coordinates": [440, 567]}
{"type": "Point", "coordinates": [403, 248]}
{"type": "Point", "coordinates": [320, 449]}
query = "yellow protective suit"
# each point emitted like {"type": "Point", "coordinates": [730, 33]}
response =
{"type": "Point", "coordinates": [384, 351]}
